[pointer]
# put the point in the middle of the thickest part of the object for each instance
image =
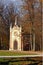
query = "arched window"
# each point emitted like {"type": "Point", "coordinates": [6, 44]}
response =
{"type": "Point", "coordinates": [15, 45]}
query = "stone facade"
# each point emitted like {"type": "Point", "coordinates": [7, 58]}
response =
{"type": "Point", "coordinates": [15, 37]}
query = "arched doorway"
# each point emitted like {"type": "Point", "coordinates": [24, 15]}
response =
{"type": "Point", "coordinates": [15, 45]}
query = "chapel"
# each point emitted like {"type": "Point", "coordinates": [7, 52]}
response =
{"type": "Point", "coordinates": [15, 37]}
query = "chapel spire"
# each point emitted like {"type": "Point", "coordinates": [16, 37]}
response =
{"type": "Point", "coordinates": [16, 20]}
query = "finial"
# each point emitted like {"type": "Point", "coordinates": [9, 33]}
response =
{"type": "Point", "coordinates": [11, 25]}
{"type": "Point", "coordinates": [16, 20]}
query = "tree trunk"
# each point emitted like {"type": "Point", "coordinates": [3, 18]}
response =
{"type": "Point", "coordinates": [34, 42]}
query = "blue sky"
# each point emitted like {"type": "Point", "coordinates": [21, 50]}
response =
{"type": "Point", "coordinates": [17, 4]}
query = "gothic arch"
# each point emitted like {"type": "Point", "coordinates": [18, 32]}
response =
{"type": "Point", "coordinates": [15, 46]}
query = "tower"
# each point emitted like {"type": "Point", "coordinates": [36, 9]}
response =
{"type": "Point", "coordinates": [15, 37]}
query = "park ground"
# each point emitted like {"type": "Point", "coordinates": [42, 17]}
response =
{"type": "Point", "coordinates": [21, 61]}
{"type": "Point", "coordinates": [18, 53]}
{"type": "Point", "coordinates": [17, 57]}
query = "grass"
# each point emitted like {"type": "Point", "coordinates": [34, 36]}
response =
{"type": "Point", "coordinates": [20, 61]}
{"type": "Point", "coordinates": [17, 61]}
{"type": "Point", "coordinates": [14, 53]}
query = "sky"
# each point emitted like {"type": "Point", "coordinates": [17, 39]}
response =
{"type": "Point", "coordinates": [17, 4]}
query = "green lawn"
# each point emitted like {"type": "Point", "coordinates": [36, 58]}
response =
{"type": "Point", "coordinates": [14, 53]}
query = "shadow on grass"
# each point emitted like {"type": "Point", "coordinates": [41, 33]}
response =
{"type": "Point", "coordinates": [21, 61]}
{"type": "Point", "coordinates": [8, 63]}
